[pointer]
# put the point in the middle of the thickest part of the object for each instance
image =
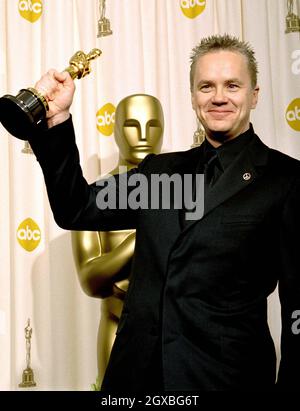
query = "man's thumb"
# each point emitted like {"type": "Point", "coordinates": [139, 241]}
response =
{"type": "Point", "coordinates": [62, 77]}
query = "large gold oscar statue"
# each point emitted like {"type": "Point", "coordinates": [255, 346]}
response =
{"type": "Point", "coordinates": [103, 259]}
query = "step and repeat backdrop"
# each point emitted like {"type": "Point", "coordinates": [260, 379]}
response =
{"type": "Point", "coordinates": [46, 321]}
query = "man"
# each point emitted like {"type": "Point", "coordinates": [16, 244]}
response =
{"type": "Point", "coordinates": [195, 315]}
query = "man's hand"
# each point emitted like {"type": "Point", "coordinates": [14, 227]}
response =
{"type": "Point", "coordinates": [58, 89]}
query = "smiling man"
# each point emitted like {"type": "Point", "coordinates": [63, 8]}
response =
{"type": "Point", "coordinates": [195, 314]}
{"type": "Point", "coordinates": [224, 91]}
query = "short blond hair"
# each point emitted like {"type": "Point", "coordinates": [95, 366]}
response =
{"type": "Point", "coordinates": [224, 42]}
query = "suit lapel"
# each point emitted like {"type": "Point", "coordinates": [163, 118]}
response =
{"type": "Point", "coordinates": [182, 163]}
{"type": "Point", "coordinates": [249, 163]}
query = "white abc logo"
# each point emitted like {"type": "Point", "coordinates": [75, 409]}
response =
{"type": "Point", "coordinates": [26, 5]}
{"type": "Point", "coordinates": [186, 4]}
{"type": "Point", "coordinates": [28, 234]}
{"type": "Point", "coordinates": [106, 119]}
{"type": "Point", "coordinates": [293, 115]}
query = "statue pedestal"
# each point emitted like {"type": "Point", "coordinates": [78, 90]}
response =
{"type": "Point", "coordinates": [292, 23]}
{"type": "Point", "coordinates": [27, 379]}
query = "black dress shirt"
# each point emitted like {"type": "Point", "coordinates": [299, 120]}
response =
{"type": "Point", "coordinates": [218, 159]}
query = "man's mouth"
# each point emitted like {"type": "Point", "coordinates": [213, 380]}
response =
{"type": "Point", "coordinates": [220, 112]}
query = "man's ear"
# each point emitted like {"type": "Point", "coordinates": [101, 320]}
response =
{"type": "Point", "coordinates": [255, 97]}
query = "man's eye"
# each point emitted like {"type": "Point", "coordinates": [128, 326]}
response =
{"type": "Point", "coordinates": [233, 86]}
{"type": "Point", "coordinates": [205, 88]}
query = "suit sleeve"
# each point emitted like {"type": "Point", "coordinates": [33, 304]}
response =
{"type": "Point", "coordinates": [75, 203]}
{"type": "Point", "coordinates": [289, 293]}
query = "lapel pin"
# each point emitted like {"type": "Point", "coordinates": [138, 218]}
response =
{"type": "Point", "coordinates": [246, 176]}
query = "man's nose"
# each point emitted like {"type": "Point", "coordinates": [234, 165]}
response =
{"type": "Point", "coordinates": [219, 97]}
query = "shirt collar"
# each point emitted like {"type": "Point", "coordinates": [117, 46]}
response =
{"type": "Point", "coordinates": [229, 150]}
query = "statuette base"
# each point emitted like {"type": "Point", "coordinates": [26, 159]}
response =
{"type": "Point", "coordinates": [27, 379]}
{"type": "Point", "coordinates": [104, 28]}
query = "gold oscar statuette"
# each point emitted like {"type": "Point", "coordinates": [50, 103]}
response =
{"type": "Point", "coordinates": [199, 136]}
{"type": "Point", "coordinates": [103, 23]}
{"type": "Point", "coordinates": [26, 111]}
{"type": "Point", "coordinates": [292, 20]}
{"type": "Point", "coordinates": [27, 149]}
{"type": "Point", "coordinates": [27, 376]}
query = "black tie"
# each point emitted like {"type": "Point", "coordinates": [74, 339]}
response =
{"type": "Point", "coordinates": [213, 168]}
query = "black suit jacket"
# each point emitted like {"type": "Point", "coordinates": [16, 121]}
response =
{"type": "Point", "coordinates": [197, 302]}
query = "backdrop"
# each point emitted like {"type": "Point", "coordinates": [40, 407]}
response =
{"type": "Point", "coordinates": [147, 53]}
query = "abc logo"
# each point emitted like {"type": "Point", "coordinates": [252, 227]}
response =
{"type": "Point", "coordinates": [31, 10]}
{"type": "Point", "coordinates": [192, 8]}
{"type": "Point", "coordinates": [292, 114]}
{"type": "Point", "coordinates": [106, 119]}
{"type": "Point", "coordinates": [29, 234]}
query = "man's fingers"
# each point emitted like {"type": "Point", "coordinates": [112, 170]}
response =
{"type": "Point", "coordinates": [51, 82]}
{"type": "Point", "coordinates": [61, 77]}
{"type": "Point", "coordinates": [52, 72]}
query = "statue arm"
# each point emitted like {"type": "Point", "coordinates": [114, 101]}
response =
{"type": "Point", "coordinates": [98, 270]}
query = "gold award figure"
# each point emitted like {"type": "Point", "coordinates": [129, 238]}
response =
{"type": "Point", "coordinates": [292, 20]}
{"type": "Point", "coordinates": [103, 23]}
{"type": "Point", "coordinates": [103, 259]}
{"type": "Point", "coordinates": [28, 377]}
{"type": "Point", "coordinates": [26, 111]}
{"type": "Point", "coordinates": [199, 136]}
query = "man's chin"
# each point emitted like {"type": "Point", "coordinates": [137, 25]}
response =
{"type": "Point", "coordinates": [220, 128]}
{"type": "Point", "coordinates": [220, 135]}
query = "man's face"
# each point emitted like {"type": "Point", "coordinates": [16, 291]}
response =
{"type": "Point", "coordinates": [222, 94]}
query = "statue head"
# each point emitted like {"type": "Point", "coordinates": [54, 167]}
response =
{"type": "Point", "coordinates": [139, 126]}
